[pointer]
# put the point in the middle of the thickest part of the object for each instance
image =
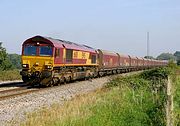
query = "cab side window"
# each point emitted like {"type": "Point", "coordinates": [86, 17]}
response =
{"type": "Point", "coordinates": [69, 55]}
{"type": "Point", "coordinates": [57, 52]}
{"type": "Point", "coordinates": [93, 60]}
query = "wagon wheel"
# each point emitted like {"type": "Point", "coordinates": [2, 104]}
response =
{"type": "Point", "coordinates": [100, 74]}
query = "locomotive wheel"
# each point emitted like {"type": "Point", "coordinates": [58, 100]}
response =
{"type": "Point", "coordinates": [25, 79]}
{"type": "Point", "coordinates": [51, 83]}
{"type": "Point", "coordinates": [68, 79]}
{"type": "Point", "coordinates": [87, 77]}
{"type": "Point", "coordinates": [64, 80]}
{"type": "Point", "coordinates": [59, 82]}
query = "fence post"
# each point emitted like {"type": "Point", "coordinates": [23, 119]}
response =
{"type": "Point", "coordinates": [169, 103]}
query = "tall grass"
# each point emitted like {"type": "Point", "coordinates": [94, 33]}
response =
{"type": "Point", "coordinates": [175, 80]}
{"type": "Point", "coordinates": [10, 75]}
{"type": "Point", "coordinates": [136, 100]}
{"type": "Point", "coordinates": [176, 93]}
{"type": "Point", "coordinates": [177, 102]}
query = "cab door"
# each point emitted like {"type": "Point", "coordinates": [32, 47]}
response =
{"type": "Point", "coordinates": [58, 56]}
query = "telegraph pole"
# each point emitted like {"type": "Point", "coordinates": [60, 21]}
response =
{"type": "Point", "coordinates": [147, 44]}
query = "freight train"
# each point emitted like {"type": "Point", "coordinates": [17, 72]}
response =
{"type": "Point", "coordinates": [49, 62]}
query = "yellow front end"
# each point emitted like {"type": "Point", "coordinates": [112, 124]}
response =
{"type": "Point", "coordinates": [36, 68]}
{"type": "Point", "coordinates": [37, 63]}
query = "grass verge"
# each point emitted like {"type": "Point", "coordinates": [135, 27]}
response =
{"type": "Point", "coordinates": [9, 75]}
{"type": "Point", "coordinates": [176, 94]}
{"type": "Point", "coordinates": [136, 100]}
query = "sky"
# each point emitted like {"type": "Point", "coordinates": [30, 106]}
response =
{"type": "Point", "coordinates": [114, 25]}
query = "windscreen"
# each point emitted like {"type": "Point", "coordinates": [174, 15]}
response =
{"type": "Point", "coordinates": [45, 51]}
{"type": "Point", "coordinates": [30, 50]}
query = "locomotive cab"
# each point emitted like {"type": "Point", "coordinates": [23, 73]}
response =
{"type": "Point", "coordinates": [37, 59]}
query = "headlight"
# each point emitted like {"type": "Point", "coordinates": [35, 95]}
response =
{"type": "Point", "coordinates": [25, 65]}
{"type": "Point", "coordinates": [48, 67]}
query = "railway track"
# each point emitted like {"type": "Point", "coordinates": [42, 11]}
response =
{"type": "Point", "coordinates": [25, 89]}
{"type": "Point", "coordinates": [13, 84]}
{"type": "Point", "coordinates": [11, 93]}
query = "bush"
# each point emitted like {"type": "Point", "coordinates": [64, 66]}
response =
{"type": "Point", "coordinates": [150, 86]}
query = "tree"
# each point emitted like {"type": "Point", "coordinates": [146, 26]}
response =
{"type": "Point", "coordinates": [177, 54]}
{"type": "Point", "coordinates": [5, 63]}
{"type": "Point", "coordinates": [149, 57]}
{"type": "Point", "coordinates": [166, 56]}
{"type": "Point", "coordinates": [15, 60]}
{"type": "Point", "coordinates": [2, 53]}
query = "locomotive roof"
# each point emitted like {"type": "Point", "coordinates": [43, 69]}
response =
{"type": "Point", "coordinates": [61, 43]}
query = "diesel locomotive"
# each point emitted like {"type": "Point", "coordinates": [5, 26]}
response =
{"type": "Point", "coordinates": [48, 61]}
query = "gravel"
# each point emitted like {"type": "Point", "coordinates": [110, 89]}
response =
{"type": "Point", "coordinates": [15, 109]}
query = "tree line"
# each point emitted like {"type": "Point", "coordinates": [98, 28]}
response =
{"type": "Point", "coordinates": [167, 56]}
{"type": "Point", "coordinates": [9, 61]}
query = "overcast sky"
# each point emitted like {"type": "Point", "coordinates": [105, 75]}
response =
{"type": "Point", "coordinates": [115, 25]}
